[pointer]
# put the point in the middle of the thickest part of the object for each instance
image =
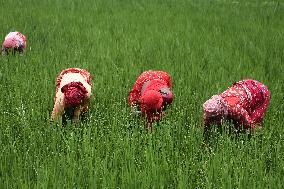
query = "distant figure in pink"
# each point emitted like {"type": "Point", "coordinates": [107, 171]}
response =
{"type": "Point", "coordinates": [14, 42]}
{"type": "Point", "coordinates": [73, 93]}
{"type": "Point", "coordinates": [245, 102]}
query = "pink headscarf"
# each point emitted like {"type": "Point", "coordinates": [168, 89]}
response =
{"type": "Point", "coordinates": [215, 106]}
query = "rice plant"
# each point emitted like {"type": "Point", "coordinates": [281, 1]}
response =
{"type": "Point", "coordinates": [204, 45]}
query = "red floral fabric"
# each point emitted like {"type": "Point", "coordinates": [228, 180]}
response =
{"type": "Point", "coordinates": [247, 102]}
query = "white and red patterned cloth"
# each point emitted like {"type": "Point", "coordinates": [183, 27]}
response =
{"type": "Point", "coordinates": [74, 75]}
{"type": "Point", "coordinates": [151, 93]}
{"type": "Point", "coordinates": [245, 102]}
{"type": "Point", "coordinates": [15, 41]}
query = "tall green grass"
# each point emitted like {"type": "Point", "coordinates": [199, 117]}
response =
{"type": "Point", "coordinates": [204, 45]}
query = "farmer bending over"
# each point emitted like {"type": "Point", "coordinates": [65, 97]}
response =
{"type": "Point", "coordinates": [73, 93]}
{"type": "Point", "coordinates": [245, 102]}
{"type": "Point", "coordinates": [15, 42]}
{"type": "Point", "coordinates": [150, 95]}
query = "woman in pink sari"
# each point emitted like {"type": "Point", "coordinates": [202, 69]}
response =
{"type": "Point", "coordinates": [245, 102]}
{"type": "Point", "coordinates": [15, 42]}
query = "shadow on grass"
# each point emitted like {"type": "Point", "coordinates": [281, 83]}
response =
{"type": "Point", "coordinates": [69, 113]}
{"type": "Point", "coordinates": [212, 134]}
{"type": "Point", "coordinates": [67, 118]}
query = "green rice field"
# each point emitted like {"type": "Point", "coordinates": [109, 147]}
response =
{"type": "Point", "coordinates": [205, 45]}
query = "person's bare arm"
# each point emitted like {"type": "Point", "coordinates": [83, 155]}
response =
{"type": "Point", "coordinates": [86, 103]}
{"type": "Point", "coordinates": [57, 109]}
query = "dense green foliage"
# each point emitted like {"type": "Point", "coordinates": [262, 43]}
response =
{"type": "Point", "coordinates": [204, 45]}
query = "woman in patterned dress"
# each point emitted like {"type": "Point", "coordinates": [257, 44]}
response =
{"type": "Point", "coordinates": [73, 93]}
{"type": "Point", "coordinates": [14, 41]}
{"type": "Point", "coordinates": [151, 94]}
{"type": "Point", "coordinates": [245, 102]}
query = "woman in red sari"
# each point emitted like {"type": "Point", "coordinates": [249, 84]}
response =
{"type": "Point", "coordinates": [151, 94]}
{"type": "Point", "coordinates": [245, 102]}
{"type": "Point", "coordinates": [73, 93]}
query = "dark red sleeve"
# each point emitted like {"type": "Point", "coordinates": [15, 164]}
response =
{"type": "Point", "coordinates": [258, 114]}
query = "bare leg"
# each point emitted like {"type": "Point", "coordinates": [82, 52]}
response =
{"type": "Point", "coordinates": [76, 114]}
